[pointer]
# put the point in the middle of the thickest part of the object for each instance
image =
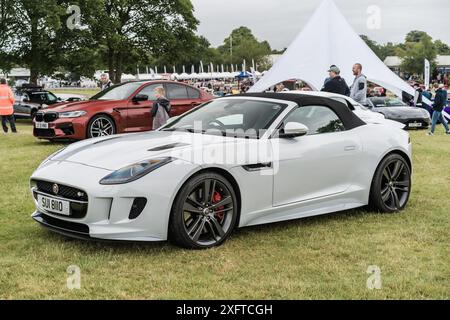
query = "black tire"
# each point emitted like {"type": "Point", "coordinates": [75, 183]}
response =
{"type": "Point", "coordinates": [195, 224]}
{"type": "Point", "coordinates": [93, 131]}
{"type": "Point", "coordinates": [391, 185]}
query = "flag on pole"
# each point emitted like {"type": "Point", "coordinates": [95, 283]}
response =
{"type": "Point", "coordinates": [427, 73]}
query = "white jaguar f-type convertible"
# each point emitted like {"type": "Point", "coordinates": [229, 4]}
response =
{"type": "Point", "coordinates": [232, 162]}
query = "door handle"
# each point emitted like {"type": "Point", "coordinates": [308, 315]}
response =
{"type": "Point", "coordinates": [350, 148]}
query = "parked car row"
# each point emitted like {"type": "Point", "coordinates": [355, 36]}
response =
{"type": "Point", "coordinates": [125, 108]}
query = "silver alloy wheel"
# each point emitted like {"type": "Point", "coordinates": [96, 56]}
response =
{"type": "Point", "coordinates": [208, 212]}
{"type": "Point", "coordinates": [101, 127]}
{"type": "Point", "coordinates": [395, 185]}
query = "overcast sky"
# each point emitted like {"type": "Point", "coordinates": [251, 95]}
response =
{"type": "Point", "coordinates": [279, 21]}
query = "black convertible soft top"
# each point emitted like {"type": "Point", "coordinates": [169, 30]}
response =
{"type": "Point", "coordinates": [350, 120]}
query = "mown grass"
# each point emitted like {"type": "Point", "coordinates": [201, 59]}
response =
{"type": "Point", "coordinates": [317, 258]}
{"type": "Point", "coordinates": [87, 93]}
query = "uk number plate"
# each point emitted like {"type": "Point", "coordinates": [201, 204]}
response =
{"type": "Point", "coordinates": [54, 205]}
{"type": "Point", "coordinates": [41, 125]}
{"type": "Point", "coordinates": [415, 125]}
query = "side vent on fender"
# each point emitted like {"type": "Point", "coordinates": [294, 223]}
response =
{"type": "Point", "coordinates": [258, 166]}
{"type": "Point", "coordinates": [168, 146]}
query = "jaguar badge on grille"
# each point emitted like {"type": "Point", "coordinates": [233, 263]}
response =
{"type": "Point", "coordinates": [55, 189]}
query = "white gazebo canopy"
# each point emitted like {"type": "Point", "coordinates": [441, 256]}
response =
{"type": "Point", "coordinates": [328, 39]}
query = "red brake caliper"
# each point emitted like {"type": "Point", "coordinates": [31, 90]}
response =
{"type": "Point", "coordinates": [216, 199]}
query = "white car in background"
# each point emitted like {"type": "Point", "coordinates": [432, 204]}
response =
{"type": "Point", "coordinates": [212, 170]}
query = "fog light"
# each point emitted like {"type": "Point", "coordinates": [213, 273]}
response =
{"type": "Point", "coordinates": [137, 208]}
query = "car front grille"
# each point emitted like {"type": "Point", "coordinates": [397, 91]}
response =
{"type": "Point", "coordinates": [64, 191]}
{"type": "Point", "coordinates": [78, 198]}
{"type": "Point", "coordinates": [46, 116]}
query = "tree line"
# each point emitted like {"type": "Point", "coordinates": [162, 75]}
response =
{"type": "Point", "coordinates": [417, 47]}
{"type": "Point", "coordinates": [81, 36]}
{"type": "Point", "coordinates": [55, 36]}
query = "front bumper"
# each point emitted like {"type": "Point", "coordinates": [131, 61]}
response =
{"type": "Point", "coordinates": [413, 123]}
{"type": "Point", "coordinates": [62, 129]}
{"type": "Point", "coordinates": [108, 214]}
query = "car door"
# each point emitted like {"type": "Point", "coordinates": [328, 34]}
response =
{"type": "Point", "coordinates": [20, 107]}
{"type": "Point", "coordinates": [180, 101]}
{"type": "Point", "coordinates": [318, 164]}
{"type": "Point", "coordinates": [138, 113]}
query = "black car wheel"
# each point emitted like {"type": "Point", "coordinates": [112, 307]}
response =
{"type": "Point", "coordinates": [101, 126]}
{"type": "Point", "coordinates": [391, 186]}
{"type": "Point", "coordinates": [204, 213]}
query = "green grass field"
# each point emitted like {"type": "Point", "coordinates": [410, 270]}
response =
{"type": "Point", "coordinates": [324, 257]}
{"type": "Point", "coordinates": [82, 91]}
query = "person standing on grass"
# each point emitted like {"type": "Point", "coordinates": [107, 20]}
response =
{"type": "Point", "coordinates": [358, 90]}
{"type": "Point", "coordinates": [7, 106]}
{"type": "Point", "coordinates": [336, 84]}
{"type": "Point", "coordinates": [161, 109]}
{"type": "Point", "coordinates": [105, 82]}
{"type": "Point", "coordinates": [440, 101]}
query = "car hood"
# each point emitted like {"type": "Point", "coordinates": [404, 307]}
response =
{"type": "Point", "coordinates": [115, 152]}
{"type": "Point", "coordinates": [401, 111]}
{"type": "Point", "coordinates": [81, 105]}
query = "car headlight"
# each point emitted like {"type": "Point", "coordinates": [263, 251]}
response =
{"type": "Point", "coordinates": [72, 114]}
{"type": "Point", "coordinates": [135, 171]}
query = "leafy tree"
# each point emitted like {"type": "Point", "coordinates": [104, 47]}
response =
{"type": "Point", "coordinates": [388, 49]}
{"type": "Point", "coordinates": [245, 47]}
{"type": "Point", "coordinates": [35, 25]}
{"type": "Point", "coordinates": [415, 52]}
{"type": "Point", "coordinates": [6, 34]}
{"type": "Point", "coordinates": [442, 48]}
{"type": "Point", "coordinates": [129, 31]}
{"type": "Point", "coordinates": [415, 36]}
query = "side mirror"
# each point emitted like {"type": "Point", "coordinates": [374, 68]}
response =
{"type": "Point", "coordinates": [26, 100]}
{"type": "Point", "coordinates": [140, 97]}
{"type": "Point", "coordinates": [294, 130]}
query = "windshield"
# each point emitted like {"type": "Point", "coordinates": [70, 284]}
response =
{"type": "Point", "coordinates": [389, 102]}
{"type": "Point", "coordinates": [230, 117]}
{"type": "Point", "coordinates": [118, 92]}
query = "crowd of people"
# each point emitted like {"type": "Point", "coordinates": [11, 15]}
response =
{"type": "Point", "coordinates": [334, 83]}
{"type": "Point", "coordinates": [435, 102]}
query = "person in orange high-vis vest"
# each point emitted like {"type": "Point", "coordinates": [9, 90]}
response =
{"type": "Point", "coordinates": [7, 106]}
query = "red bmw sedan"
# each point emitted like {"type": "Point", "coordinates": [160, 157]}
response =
{"type": "Point", "coordinates": [122, 108]}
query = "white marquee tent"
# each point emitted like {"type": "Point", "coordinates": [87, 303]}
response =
{"type": "Point", "coordinates": [328, 39]}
